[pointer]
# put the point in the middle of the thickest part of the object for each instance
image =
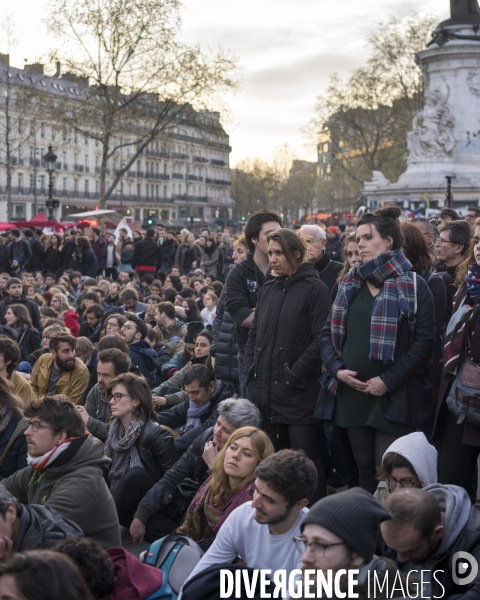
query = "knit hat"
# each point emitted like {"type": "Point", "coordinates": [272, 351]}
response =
{"type": "Point", "coordinates": [354, 515]}
{"type": "Point", "coordinates": [332, 229]}
{"type": "Point", "coordinates": [90, 281]}
{"type": "Point", "coordinates": [193, 329]}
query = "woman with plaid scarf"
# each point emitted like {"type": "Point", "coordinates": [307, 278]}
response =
{"type": "Point", "coordinates": [375, 346]}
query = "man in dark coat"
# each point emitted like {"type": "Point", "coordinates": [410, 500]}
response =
{"type": "Point", "coordinates": [38, 253]}
{"type": "Point", "coordinates": [142, 355]}
{"type": "Point", "coordinates": [20, 253]}
{"type": "Point", "coordinates": [147, 255]}
{"type": "Point", "coordinates": [99, 247]}
{"type": "Point", "coordinates": [327, 268]}
{"type": "Point", "coordinates": [15, 295]}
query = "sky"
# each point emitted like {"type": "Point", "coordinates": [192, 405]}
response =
{"type": "Point", "coordinates": [287, 50]}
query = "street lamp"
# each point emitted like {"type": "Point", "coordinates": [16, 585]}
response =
{"type": "Point", "coordinates": [50, 159]}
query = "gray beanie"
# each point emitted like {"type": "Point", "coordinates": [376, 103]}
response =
{"type": "Point", "coordinates": [354, 515]}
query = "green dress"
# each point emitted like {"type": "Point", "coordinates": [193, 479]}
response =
{"type": "Point", "coordinates": [354, 408]}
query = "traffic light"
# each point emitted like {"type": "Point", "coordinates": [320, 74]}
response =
{"type": "Point", "coordinates": [244, 218]}
{"type": "Point", "coordinates": [149, 222]}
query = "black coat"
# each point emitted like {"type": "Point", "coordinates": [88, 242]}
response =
{"type": "Point", "coordinates": [147, 253]}
{"type": "Point", "coordinates": [144, 357]}
{"type": "Point", "coordinates": [411, 394]}
{"type": "Point", "coordinates": [16, 458]}
{"type": "Point", "coordinates": [38, 255]}
{"type": "Point", "coordinates": [54, 260]}
{"type": "Point", "coordinates": [191, 465]}
{"type": "Point", "coordinates": [90, 266]}
{"type": "Point", "coordinates": [223, 347]}
{"type": "Point", "coordinates": [30, 305]}
{"type": "Point", "coordinates": [334, 248]}
{"type": "Point", "coordinates": [30, 342]}
{"type": "Point", "coordinates": [282, 354]}
{"type": "Point", "coordinates": [328, 270]}
{"type": "Point", "coordinates": [169, 249]}
{"type": "Point", "coordinates": [156, 450]}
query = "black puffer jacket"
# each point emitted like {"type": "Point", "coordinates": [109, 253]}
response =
{"type": "Point", "coordinates": [156, 449]}
{"type": "Point", "coordinates": [282, 354]}
{"type": "Point", "coordinates": [223, 347]}
{"type": "Point", "coordinates": [147, 253]}
{"type": "Point", "coordinates": [190, 465]}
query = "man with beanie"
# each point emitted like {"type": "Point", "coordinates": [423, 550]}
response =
{"type": "Point", "coordinates": [341, 532]}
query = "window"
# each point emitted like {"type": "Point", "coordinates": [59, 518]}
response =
{"type": "Point", "coordinates": [156, 191]}
{"type": "Point", "coordinates": [87, 162]}
{"type": "Point", "coordinates": [64, 184]}
{"type": "Point", "coordinates": [139, 189]}
{"type": "Point", "coordinates": [137, 214]}
{"type": "Point", "coordinates": [164, 191]}
{"type": "Point", "coordinates": [42, 182]}
{"type": "Point", "coordinates": [18, 210]}
{"type": "Point", "coordinates": [20, 125]}
{"type": "Point", "coordinates": [97, 187]}
{"type": "Point", "coordinates": [75, 159]}
{"type": "Point", "coordinates": [75, 136]}
{"type": "Point", "coordinates": [75, 185]}
{"type": "Point", "coordinates": [86, 141]}
{"type": "Point", "coordinates": [42, 130]}
{"type": "Point", "coordinates": [97, 162]}
{"type": "Point", "coordinates": [86, 186]}
{"type": "Point", "coordinates": [20, 180]}
{"type": "Point", "coordinates": [32, 182]}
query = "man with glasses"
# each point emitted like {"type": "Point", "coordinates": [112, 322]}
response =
{"type": "Point", "coordinates": [60, 372]}
{"type": "Point", "coordinates": [65, 470]}
{"type": "Point", "coordinates": [452, 245]}
{"type": "Point", "coordinates": [327, 268]}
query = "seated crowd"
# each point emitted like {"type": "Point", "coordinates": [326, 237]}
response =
{"type": "Point", "coordinates": [285, 400]}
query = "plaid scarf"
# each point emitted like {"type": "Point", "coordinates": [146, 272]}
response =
{"type": "Point", "coordinates": [118, 447]}
{"type": "Point", "coordinates": [388, 271]}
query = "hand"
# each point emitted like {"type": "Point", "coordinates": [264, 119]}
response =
{"type": "Point", "coordinates": [26, 375]}
{"type": "Point", "coordinates": [6, 547]}
{"type": "Point", "coordinates": [137, 531]}
{"type": "Point", "coordinates": [350, 378]}
{"type": "Point", "coordinates": [194, 264]}
{"type": "Point", "coordinates": [209, 455]}
{"type": "Point", "coordinates": [83, 414]}
{"type": "Point", "coordinates": [159, 401]}
{"type": "Point", "coordinates": [376, 387]}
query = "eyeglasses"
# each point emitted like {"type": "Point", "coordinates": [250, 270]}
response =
{"type": "Point", "coordinates": [35, 425]}
{"type": "Point", "coordinates": [117, 397]}
{"type": "Point", "coordinates": [392, 482]}
{"type": "Point", "coordinates": [316, 547]}
{"type": "Point", "coordinates": [441, 241]}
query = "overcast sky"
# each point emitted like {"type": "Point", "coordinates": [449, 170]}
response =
{"type": "Point", "coordinates": [287, 49]}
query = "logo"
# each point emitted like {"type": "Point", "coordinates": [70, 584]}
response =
{"type": "Point", "coordinates": [464, 568]}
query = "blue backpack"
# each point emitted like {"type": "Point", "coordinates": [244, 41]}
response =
{"type": "Point", "coordinates": [176, 555]}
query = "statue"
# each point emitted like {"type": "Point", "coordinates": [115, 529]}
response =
{"type": "Point", "coordinates": [463, 8]}
{"type": "Point", "coordinates": [432, 127]}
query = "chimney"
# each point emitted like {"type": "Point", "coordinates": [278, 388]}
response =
{"type": "Point", "coordinates": [57, 72]}
{"type": "Point", "coordinates": [4, 59]}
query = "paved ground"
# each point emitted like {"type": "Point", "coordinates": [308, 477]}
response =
{"type": "Point", "coordinates": [128, 544]}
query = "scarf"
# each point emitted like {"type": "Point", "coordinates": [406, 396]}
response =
{"type": "Point", "coordinates": [388, 271]}
{"type": "Point", "coordinates": [473, 282]}
{"type": "Point", "coordinates": [38, 463]}
{"type": "Point", "coordinates": [195, 413]}
{"type": "Point", "coordinates": [204, 518]}
{"type": "Point", "coordinates": [118, 446]}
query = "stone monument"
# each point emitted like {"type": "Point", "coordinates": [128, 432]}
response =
{"type": "Point", "coordinates": [445, 136]}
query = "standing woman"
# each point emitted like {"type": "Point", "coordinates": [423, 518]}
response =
{"type": "Point", "coordinates": [375, 345]}
{"type": "Point", "coordinates": [89, 262]}
{"type": "Point", "coordinates": [210, 257]}
{"type": "Point", "coordinates": [53, 255]}
{"type": "Point", "coordinates": [28, 338]}
{"type": "Point", "coordinates": [188, 254]}
{"type": "Point", "coordinates": [282, 354]}
{"type": "Point", "coordinates": [141, 450]}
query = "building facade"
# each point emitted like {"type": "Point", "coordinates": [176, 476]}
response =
{"type": "Point", "coordinates": [185, 176]}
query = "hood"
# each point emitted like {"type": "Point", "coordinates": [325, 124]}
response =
{"type": "Point", "coordinates": [90, 454]}
{"type": "Point", "coordinates": [455, 503]}
{"type": "Point", "coordinates": [22, 300]}
{"type": "Point", "coordinates": [133, 580]}
{"type": "Point", "coordinates": [422, 456]}
{"type": "Point", "coordinates": [42, 526]}
{"type": "Point", "coordinates": [305, 271]}
{"type": "Point", "coordinates": [142, 347]}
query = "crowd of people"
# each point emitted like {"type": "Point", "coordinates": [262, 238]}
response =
{"type": "Point", "coordinates": [286, 398]}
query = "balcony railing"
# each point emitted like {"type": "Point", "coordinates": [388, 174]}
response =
{"type": "Point", "coordinates": [200, 159]}
{"type": "Point", "coordinates": [220, 163]}
{"type": "Point", "coordinates": [177, 175]}
{"type": "Point", "coordinates": [78, 168]}
{"type": "Point", "coordinates": [218, 181]}
{"type": "Point", "coordinates": [195, 178]}
{"type": "Point", "coordinates": [179, 156]}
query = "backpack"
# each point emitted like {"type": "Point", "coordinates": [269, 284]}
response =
{"type": "Point", "coordinates": [176, 555]}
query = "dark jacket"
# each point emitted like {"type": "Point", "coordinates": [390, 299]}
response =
{"type": "Point", "coordinates": [86, 330]}
{"type": "Point", "coordinates": [334, 248]}
{"type": "Point", "coordinates": [74, 485]}
{"type": "Point", "coordinates": [176, 417]}
{"type": "Point", "coordinates": [38, 255]}
{"type": "Point", "coordinates": [41, 527]}
{"type": "Point", "coordinates": [147, 253]}
{"type": "Point", "coordinates": [169, 250]}
{"type": "Point", "coordinates": [191, 465]}
{"type": "Point", "coordinates": [90, 266]}
{"type": "Point", "coordinates": [186, 255]}
{"type": "Point", "coordinates": [29, 343]}
{"type": "Point", "coordinates": [328, 270]}
{"type": "Point", "coordinates": [282, 355]}
{"type": "Point", "coordinates": [243, 286]}
{"type": "Point", "coordinates": [144, 357]}
{"type": "Point", "coordinates": [411, 394]}
{"type": "Point", "coordinates": [54, 260]}
{"type": "Point", "coordinates": [69, 248]}
{"type": "Point", "coordinates": [156, 449]}
{"type": "Point", "coordinates": [223, 347]}
{"type": "Point", "coordinates": [31, 306]}
{"type": "Point", "coordinates": [99, 247]}
{"type": "Point", "coordinates": [21, 251]}
{"type": "Point", "coordinates": [16, 458]}
{"type": "Point", "coordinates": [4, 260]}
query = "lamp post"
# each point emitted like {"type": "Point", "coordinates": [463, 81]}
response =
{"type": "Point", "coordinates": [50, 159]}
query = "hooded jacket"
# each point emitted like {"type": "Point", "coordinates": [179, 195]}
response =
{"type": "Point", "coordinates": [461, 533]}
{"type": "Point", "coordinates": [31, 306]}
{"type": "Point", "coordinates": [73, 484]}
{"type": "Point", "coordinates": [419, 453]}
{"type": "Point", "coordinates": [21, 251]}
{"type": "Point", "coordinates": [144, 357]}
{"type": "Point", "coordinates": [41, 527]}
{"type": "Point", "coordinates": [282, 354]}
{"type": "Point", "coordinates": [223, 347]}
{"type": "Point", "coordinates": [135, 580]}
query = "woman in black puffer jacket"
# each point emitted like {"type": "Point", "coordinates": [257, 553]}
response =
{"type": "Point", "coordinates": [282, 354]}
{"type": "Point", "coordinates": [223, 347]}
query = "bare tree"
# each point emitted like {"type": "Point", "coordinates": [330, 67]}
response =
{"type": "Point", "coordinates": [143, 82]}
